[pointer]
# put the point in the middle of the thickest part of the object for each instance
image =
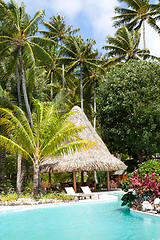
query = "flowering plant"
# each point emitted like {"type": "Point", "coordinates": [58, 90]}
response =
{"type": "Point", "coordinates": [112, 182]}
{"type": "Point", "coordinates": [146, 187]}
{"type": "Point", "coordinates": [46, 185]}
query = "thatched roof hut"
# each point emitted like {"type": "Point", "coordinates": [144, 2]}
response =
{"type": "Point", "coordinates": [91, 159]}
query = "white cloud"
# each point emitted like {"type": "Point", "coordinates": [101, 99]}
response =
{"type": "Point", "coordinates": [100, 14]}
{"type": "Point", "coordinates": [69, 8]}
{"type": "Point", "coordinates": [152, 41]}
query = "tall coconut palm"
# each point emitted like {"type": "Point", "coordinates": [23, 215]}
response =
{"type": "Point", "coordinates": [58, 31]}
{"type": "Point", "coordinates": [136, 14]}
{"type": "Point", "coordinates": [124, 46]}
{"type": "Point", "coordinates": [91, 82]}
{"type": "Point", "coordinates": [53, 68]}
{"type": "Point", "coordinates": [17, 30]}
{"type": "Point", "coordinates": [80, 55]}
{"type": "Point", "coordinates": [51, 135]}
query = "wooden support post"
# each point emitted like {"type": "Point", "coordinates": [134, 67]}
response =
{"type": "Point", "coordinates": [108, 184]}
{"type": "Point", "coordinates": [49, 177]}
{"type": "Point", "coordinates": [74, 181]}
{"type": "Point", "coordinates": [82, 176]}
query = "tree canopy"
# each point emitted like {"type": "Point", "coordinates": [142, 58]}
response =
{"type": "Point", "coordinates": [129, 108]}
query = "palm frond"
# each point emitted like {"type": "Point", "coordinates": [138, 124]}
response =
{"type": "Point", "coordinates": [41, 54]}
{"type": "Point", "coordinates": [37, 17]}
{"type": "Point", "coordinates": [13, 147]}
{"type": "Point", "coordinates": [13, 126]}
{"type": "Point", "coordinates": [73, 147]}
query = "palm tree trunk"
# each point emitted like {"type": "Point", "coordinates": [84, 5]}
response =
{"type": "Point", "coordinates": [63, 80]}
{"type": "Point", "coordinates": [18, 86]}
{"type": "Point", "coordinates": [95, 173]}
{"type": "Point", "coordinates": [81, 95]}
{"type": "Point", "coordinates": [36, 180]}
{"type": "Point", "coordinates": [51, 86]}
{"type": "Point", "coordinates": [24, 87]}
{"type": "Point", "coordinates": [81, 86]}
{"type": "Point", "coordinates": [21, 167]}
{"type": "Point", "coordinates": [2, 165]}
{"type": "Point", "coordinates": [95, 107]}
{"type": "Point", "coordinates": [144, 35]}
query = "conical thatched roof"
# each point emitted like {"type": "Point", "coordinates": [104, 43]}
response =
{"type": "Point", "coordinates": [95, 159]}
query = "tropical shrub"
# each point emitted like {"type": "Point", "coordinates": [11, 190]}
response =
{"type": "Point", "coordinates": [150, 166]}
{"type": "Point", "coordinates": [11, 197]}
{"type": "Point", "coordinates": [146, 187]}
{"type": "Point", "coordinates": [125, 185]}
{"type": "Point", "coordinates": [128, 198]}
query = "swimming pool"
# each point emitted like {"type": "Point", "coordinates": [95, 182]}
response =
{"type": "Point", "coordinates": [85, 221]}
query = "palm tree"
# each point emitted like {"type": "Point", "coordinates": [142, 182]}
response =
{"type": "Point", "coordinates": [58, 31]}
{"type": "Point", "coordinates": [17, 30]}
{"type": "Point", "coordinates": [91, 82]}
{"type": "Point", "coordinates": [124, 46]}
{"type": "Point", "coordinates": [80, 55]}
{"type": "Point", "coordinates": [53, 69]}
{"type": "Point", "coordinates": [136, 14]}
{"type": "Point", "coordinates": [51, 135]}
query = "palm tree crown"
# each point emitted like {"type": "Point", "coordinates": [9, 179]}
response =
{"type": "Point", "coordinates": [137, 12]}
{"type": "Point", "coordinates": [81, 55]}
{"type": "Point", "coordinates": [58, 31]}
{"type": "Point", "coordinates": [124, 46]}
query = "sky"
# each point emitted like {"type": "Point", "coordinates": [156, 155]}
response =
{"type": "Point", "coordinates": [92, 16]}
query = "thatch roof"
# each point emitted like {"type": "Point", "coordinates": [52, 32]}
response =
{"type": "Point", "coordinates": [95, 159]}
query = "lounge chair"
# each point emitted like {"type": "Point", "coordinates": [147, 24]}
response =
{"type": "Point", "coordinates": [86, 190]}
{"type": "Point", "coordinates": [70, 191]}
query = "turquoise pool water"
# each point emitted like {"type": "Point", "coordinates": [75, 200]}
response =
{"type": "Point", "coordinates": [85, 221]}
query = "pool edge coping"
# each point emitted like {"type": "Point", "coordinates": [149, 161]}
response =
{"type": "Point", "coordinates": [147, 213]}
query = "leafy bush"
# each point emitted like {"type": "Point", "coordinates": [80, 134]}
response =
{"type": "Point", "coordinates": [151, 166]}
{"type": "Point", "coordinates": [145, 187]}
{"type": "Point", "coordinates": [125, 185]}
{"type": "Point", "coordinates": [7, 187]}
{"type": "Point", "coordinates": [11, 197]}
{"type": "Point", "coordinates": [128, 199]}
